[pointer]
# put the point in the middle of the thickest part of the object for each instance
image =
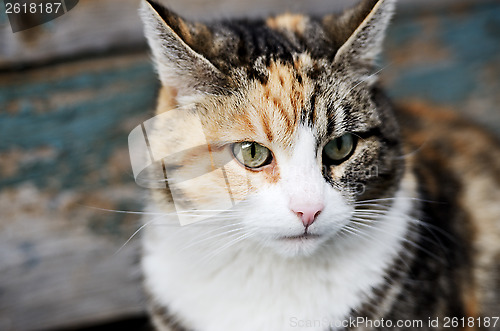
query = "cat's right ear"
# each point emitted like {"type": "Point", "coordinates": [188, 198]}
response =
{"type": "Point", "coordinates": [179, 66]}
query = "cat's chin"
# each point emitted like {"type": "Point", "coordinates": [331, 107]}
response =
{"type": "Point", "coordinates": [297, 246]}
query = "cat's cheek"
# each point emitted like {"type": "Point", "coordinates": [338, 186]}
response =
{"type": "Point", "coordinates": [242, 183]}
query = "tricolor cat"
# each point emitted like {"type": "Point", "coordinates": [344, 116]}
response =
{"type": "Point", "coordinates": [346, 211]}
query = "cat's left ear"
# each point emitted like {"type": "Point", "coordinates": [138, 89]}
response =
{"type": "Point", "coordinates": [360, 31]}
{"type": "Point", "coordinates": [173, 42]}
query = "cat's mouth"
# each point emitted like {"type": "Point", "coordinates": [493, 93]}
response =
{"type": "Point", "coordinates": [305, 236]}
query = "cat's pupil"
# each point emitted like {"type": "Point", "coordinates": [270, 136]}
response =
{"type": "Point", "coordinates": [340, 142]}
{"type": "Point", "coordinates": [252, 154]}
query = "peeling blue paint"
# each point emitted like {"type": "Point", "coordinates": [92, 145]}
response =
{"type": "Point", "coordinates": [84, 134]}
{"type": "Point", "coordinates": [3, 16]}
{"type": "Point", "coordinates": [472, 39]}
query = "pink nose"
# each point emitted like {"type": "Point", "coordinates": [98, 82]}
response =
{"type": "Point", "coordinates": [308, 213]}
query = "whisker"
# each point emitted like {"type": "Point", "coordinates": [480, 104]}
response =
{"type": "Point", "coordinates": [368, 237]}
{"type": "Point", "coordinates": [369, 211]}
{"type": "Point", "coordinates": [377, 205]}
{"type": "Point", "coordinates": [405, 239]}
{"type": "Point", "coordinates": [194, 243]}
{"type": "Point", "coordinates": [124, 211]}
{"type": "Point", "coordinates": [429, 227]}
{"type": "Point", "coordinates": [135, 233]}
{"type": "Point", "coordinates": [227, 245]}
{"type": "Point", "coordinates": [395, 198]}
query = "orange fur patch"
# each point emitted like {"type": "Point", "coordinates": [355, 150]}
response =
{"type": "Point", "coordinates": [277, 105]}
{"type": "Point", "coordinates": [293, 22]}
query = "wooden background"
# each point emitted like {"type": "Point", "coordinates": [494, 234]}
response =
{"type": "Point", "coordinates": [71, 91]}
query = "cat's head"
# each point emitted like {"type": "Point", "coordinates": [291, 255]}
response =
{"type": "Point", "coordinates": [297, 130]}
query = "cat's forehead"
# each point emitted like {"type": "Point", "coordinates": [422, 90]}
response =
{"type": "Point", "coordinates": [276, 106]}
{"type": "Point", "coordinates": [283, 101]}
{"type": "Point", "coordinates": [298, 93]}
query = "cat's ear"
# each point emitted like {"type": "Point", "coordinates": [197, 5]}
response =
{"type": "Point", "coordinates": [179, 66]}
{"type": "Point", "coordinates": [360, 31]}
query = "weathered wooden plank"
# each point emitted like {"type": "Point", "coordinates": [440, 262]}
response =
{"type": "Point", "coordinates": [63, 153]}
{"type": "Point", "coordinates": [99, 26]}
{"type": "Point", "coordinates": [91, 27]}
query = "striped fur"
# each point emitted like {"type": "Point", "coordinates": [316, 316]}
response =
{"type": "Point", "coordinates": [409, 228]}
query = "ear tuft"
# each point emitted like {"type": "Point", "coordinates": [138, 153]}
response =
{"type": "Point", "coordinates": [179, 66]}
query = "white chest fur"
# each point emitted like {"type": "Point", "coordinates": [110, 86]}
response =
{"type": "Point", "coordinates": [247, 288]}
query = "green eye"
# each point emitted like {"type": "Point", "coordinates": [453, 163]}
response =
{"type": "Point", "coordinates": [251, 154]}
{"type": "Point", "coordinates": [340, 149]}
